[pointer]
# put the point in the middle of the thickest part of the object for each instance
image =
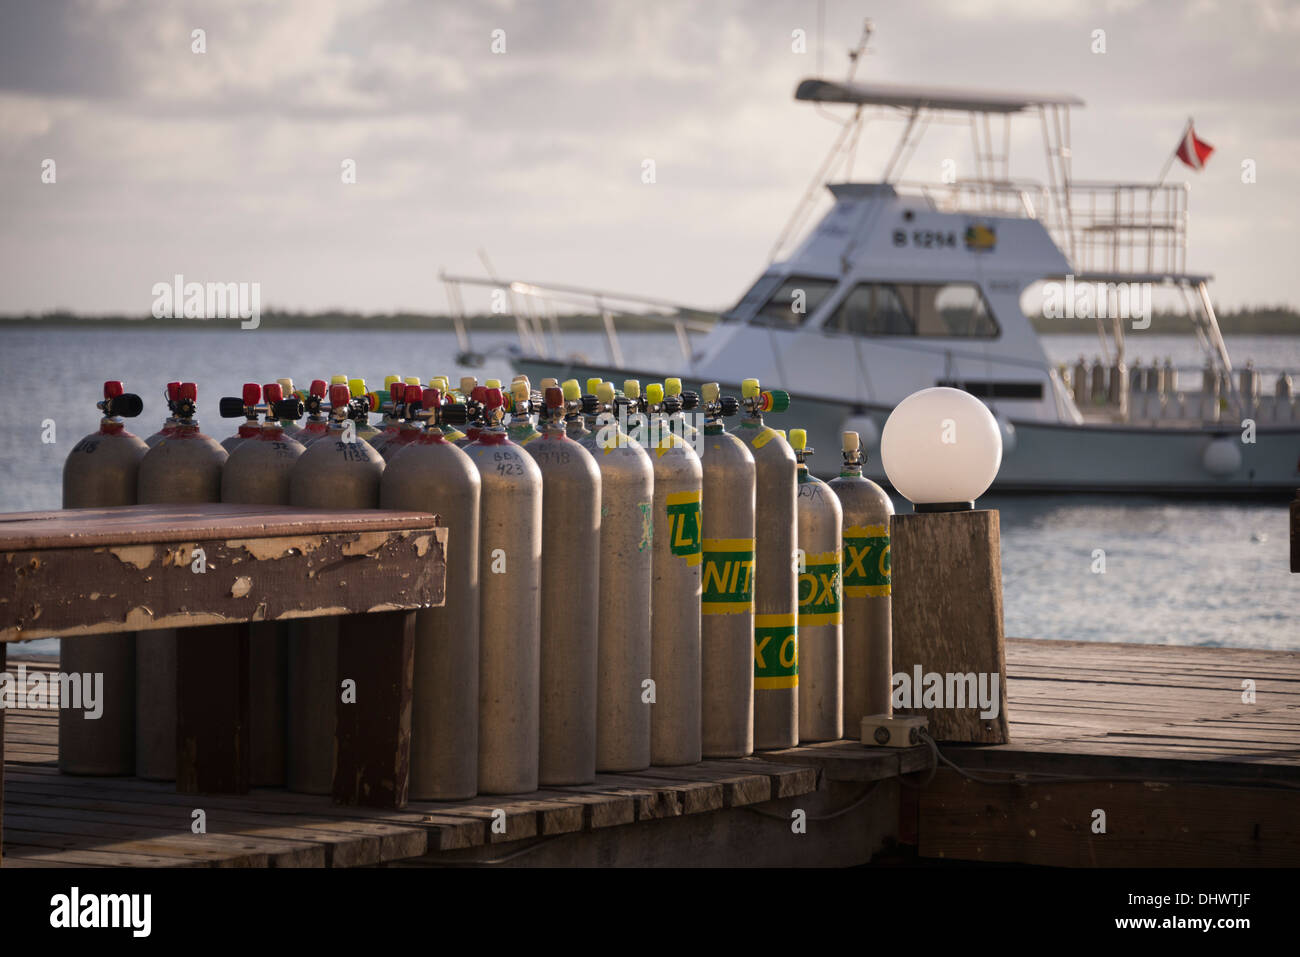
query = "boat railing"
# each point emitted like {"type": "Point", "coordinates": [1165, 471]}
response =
{"type": "Point", "coordinates": [1102, 227]}
{"type": "Point", "coordinates": [1126, 228]}
{"type": "Point", "coordinates": [538, 308]}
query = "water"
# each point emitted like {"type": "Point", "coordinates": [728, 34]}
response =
{"type": "Point", "coordinates": [1176, 572]}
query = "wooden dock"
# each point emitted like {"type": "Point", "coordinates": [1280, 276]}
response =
{"type": "Point", "coordinates": [1157, 738]}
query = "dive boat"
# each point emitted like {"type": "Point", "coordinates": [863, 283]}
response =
{"type": "Point", "coordinates": [905, 285]}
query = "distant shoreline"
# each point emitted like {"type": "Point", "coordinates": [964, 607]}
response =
{"type": "Point", "coordinates": [1276, 321]}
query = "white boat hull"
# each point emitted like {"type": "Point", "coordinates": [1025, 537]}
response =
{"type": "Point", "coordinates": [1040, 456]}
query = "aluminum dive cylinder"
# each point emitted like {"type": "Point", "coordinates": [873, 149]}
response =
{"type": "Point", "coordinates": [185, 467]}
{"type": "Point", "coordinates": [102, 470]}
{"type": "Point", "coordinates": [257, 473]}
{"type": "Point", "coordinates": [821, 614]}
{"type": "Point", "coordinates": [675, 593]}
{"type": "Point", "coordinates": [776, 642]}
{"type": "Point", "coordinates": [431, 474]}
{"type": "Point", "coordinates": [571, 522]}
{"type": "Point", "coordinates": [338, 471]}
{"type": "Point", "coordinates": [626, 552]}
{"type": "Point", "coordinates": [510, 555]}
{"type": "Point", "coordinates": [868, 635]}
{"type": "Point", "coordinates": [727, 628]}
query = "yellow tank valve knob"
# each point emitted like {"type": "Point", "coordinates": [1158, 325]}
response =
{"type": "Point", "coordinates": [749, 389]}
{"type": "Point", "coordinates": [798, 439]}
{"type": "Point", "coordinates": [709, 392]}
{"type": "Point", "coordinates": [357, 387]}
{"type": "Point", "coordinates": [852, 442]}
{"type": "Point", "coordinates": [338, 380]}
{"type": "Point", "coordinates": [468, 384]}
{"type": "Point", "coordinates": [493, 383]}
{"type": "Point", "coordinates": [287, 385]}
{"type": "Point", "coordinates": [605, 392]}
{"type": "Point", "coordinates": [549, 384]}
{"type": "Point", "coordinates": [390, 379]}
{"type": "Point", "coordinates": [654, 393]}
{"type": "Point", "coordinates": [632, 388]}
{"type": "Point", "coordinates": [572, 391]}
{"type": "Point", "coordinates": [672, 386]}
{"type": "Point", "coordinates": [413, 380]}
{"type": "Point", "coordinates": [520, 391]}
{"type": "Point", "coordinates": [593, 386]}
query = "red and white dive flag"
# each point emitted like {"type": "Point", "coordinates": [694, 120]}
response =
{"type": "Point", "coordinates": [1191, 151]}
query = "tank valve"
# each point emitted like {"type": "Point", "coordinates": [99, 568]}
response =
{"type": "Point", "coordinates": [117, 403]}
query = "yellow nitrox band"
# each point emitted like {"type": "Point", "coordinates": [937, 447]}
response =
{"type": "Point", "coordinates": [767, 435]}
{"type": "Point", "coordinates": [866, 561]}
{"type": "Point", "coordinates": [776, 652]}
{"type": "Point", "coordinates": [684, 540]}
{"type": "Point", "coordinates": [728, 576]}
{"type": "Point", "coordinates": [819, 590]}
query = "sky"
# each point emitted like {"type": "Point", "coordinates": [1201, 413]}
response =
{"type": "Point", "coordinates": [227, 165]}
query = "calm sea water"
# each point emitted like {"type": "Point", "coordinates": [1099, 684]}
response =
{"type": "Point", "coordinates": [1176, 572]}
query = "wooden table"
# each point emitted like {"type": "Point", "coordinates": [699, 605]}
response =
{"type": "Point", "coordinates": [105, 571]}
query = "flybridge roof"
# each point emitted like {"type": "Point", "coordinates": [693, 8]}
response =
{"type": "Point", "coordinates": [928, 97]}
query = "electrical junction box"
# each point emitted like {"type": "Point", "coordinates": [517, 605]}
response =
{"type": "Point", "coordinates": [893, 730]}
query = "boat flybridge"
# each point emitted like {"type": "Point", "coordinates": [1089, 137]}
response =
{"type": "Point", "coordinates": [904, 285]}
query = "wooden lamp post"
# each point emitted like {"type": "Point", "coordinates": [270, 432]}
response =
{"type": "Point", "coordinates": [941, 449]}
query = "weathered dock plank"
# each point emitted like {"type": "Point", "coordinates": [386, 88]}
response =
{"type": "Point", "coordinates": [1186, 771]}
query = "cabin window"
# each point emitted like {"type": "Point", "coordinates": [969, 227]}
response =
{"type": "Point", "coordinates": [944, 310]}
{"type": "Point", "coordinates": [797, 298]}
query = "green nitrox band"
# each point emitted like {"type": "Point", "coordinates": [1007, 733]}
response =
{"type": "Point", "coordinates": [866, 561]}
{"type": "Point", "coordinates": [728, 576]}
{"type": "Point", "coordinates": [776, 652]}
{"type": "Point", "coordinates": [819, 590]}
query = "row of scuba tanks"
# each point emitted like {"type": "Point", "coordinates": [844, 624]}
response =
{"type": "Point", "coordinates": [624, 587]}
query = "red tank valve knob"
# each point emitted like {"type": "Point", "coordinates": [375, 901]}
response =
{"type": "Point", "coordinates": [319, 388]}
{"type": "Point", "coordinates": [252, 393]}
{"type": "Point", "coordinates": [112, 389]}
{"type": "Point", "coordinates": [189, 391]}
{"type": "Point", "coordinates": [340, 395]}
{"type": "Point", "coordinates": [274, 392]}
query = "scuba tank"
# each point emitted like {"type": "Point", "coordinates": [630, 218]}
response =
{"type": "Point", "coordinates": [625, 565]}
{"type": "Point", "coordinates": [510, 554]}
{"type": "Point", "coordinates": [868, 643]}
{"type": "Point", "coordinates": [821, 619]}
{"type": "Point", "coordinates": [727, 631]}
{"type": "Point", "coordinates": [257, 472]}
{"type": "Point", "coordinates": [776, 643]}
{"type": "Point", "coordinates": [430, 474]}
{"type": "Point", "coordinates": [102, 470]}
{"type": "Point", "coordinates": [571, 524]}
{"type": "Point", "coordinates": [337, 471]}
{"type": "Point", "coordinates": [675, 592]}
{"type": "Point", "coordinates": [183, 468]}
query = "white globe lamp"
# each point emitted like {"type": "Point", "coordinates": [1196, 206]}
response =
{"type": "Point", "coordinates": [941, 449]}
